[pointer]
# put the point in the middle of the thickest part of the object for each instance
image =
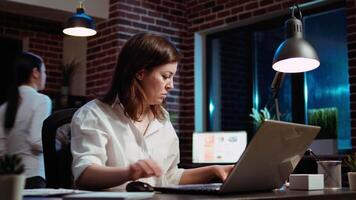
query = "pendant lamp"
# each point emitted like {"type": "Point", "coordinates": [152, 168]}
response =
{"type": "Point", "coordinates": [80, 24]}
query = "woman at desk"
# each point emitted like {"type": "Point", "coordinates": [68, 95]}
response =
{"type": "Point", "coordinates": [126, 135]}
{"type": "Point", "coordinates": [22, 116]}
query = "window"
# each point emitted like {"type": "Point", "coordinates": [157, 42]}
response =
{"type": "Point", "coordinates": [238, 75]}
{"type": "Point", "coordinates": [327, 87]}
{"type": "Point", "coordinates": [228, 82]}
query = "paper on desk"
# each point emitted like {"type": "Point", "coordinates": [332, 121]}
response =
{"type": "Point", "coordinates": [109, 195]}
{"type": "Point", "coordinates": [50, 192]}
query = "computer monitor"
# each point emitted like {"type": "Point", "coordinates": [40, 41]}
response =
{"type": "Point", "coordinates": [218, 147]}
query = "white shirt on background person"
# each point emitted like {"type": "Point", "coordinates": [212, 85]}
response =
{"type": "Point", "coordinates": [25, 138]}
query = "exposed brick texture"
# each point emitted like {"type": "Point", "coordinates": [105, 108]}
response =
{"type": "Point", "coordinates": [164, 17]}
{"type": "Point", "coordinates": [177, 20]}
{"type": "Point", "coordinates": [235, 74]}
{"type": "Point", "coordinates": [45, 38]}
{"type": "Point", "coordinates": [351, 39]}
{"type": "Point", "coordinates": [202, 15]}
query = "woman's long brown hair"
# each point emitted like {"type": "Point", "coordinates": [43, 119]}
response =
{"type": "Point", "coordinates": [142, 51]}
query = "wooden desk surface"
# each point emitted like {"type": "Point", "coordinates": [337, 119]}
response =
{"type": "Point", "coordinates": [287, 194]}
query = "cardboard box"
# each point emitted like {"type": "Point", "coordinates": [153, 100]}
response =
{"type": "Point", "coordinates": [306, 181]}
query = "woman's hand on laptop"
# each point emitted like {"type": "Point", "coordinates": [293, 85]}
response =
{"type": "Point", "coordinates": [205, 174]}
{"type": "Point", "coordinates": [222, 171]}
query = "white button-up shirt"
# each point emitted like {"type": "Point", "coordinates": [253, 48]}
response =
{"type": "Point", "coordinates": [25, 138]}
{"type": "Point", "coordinates": [103, 135]}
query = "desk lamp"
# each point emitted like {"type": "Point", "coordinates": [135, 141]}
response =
{"type": "Point", "coordinates": [80, 24]}
{"type": "Point", "coordinates": [293, 55]}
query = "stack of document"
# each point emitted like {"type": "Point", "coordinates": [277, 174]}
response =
{"type": "Point", "coordinates": [71, 194]}
{"type": "Point", "coordinates": [109, 195]}
{"type": "Point", "coordinates": [51, 192]}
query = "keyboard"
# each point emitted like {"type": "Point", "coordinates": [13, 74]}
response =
{"type": "Point", "coordinates": [212, 188]}
{"type": "Point", "coordinates": [50, 192]}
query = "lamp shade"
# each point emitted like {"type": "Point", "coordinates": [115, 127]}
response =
{"type": "Point", "coordinates": [295, 54]}
{"type": "Point", "coordinates": [80, 25]}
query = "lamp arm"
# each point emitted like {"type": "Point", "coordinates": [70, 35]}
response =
{"type": "Point", "coordinates": [277, 84]}
{"type": "Point", "coordinates": [278, 113]}
{"type": "Point", "coordinates": [275, 88]}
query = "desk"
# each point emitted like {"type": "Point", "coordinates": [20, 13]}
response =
{"type": "Point", "coordinates": [287, 194]}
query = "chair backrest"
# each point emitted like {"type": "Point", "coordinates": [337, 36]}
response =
{"type": "Point", "coordinates": [56, 149]}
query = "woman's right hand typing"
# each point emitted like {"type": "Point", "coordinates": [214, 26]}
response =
{"type": "Point", "coordinates": [143, 169]}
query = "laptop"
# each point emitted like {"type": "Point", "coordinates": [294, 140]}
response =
{"type": "Point", "coordinates": [267, 162]}
{"type": "Point", "coordinates": [218, 147]}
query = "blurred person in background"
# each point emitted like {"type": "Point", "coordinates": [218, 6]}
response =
{"type": "Point", "coordinates": [22, 116]}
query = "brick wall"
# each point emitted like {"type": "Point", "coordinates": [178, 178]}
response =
{"type": "Point", "coordinates": [208, 14]}
{"type": "Point", "coordinates": [351, 38]}
{"type": "Point", "coordinates": [204, 15]}
{"type": "Point", "coordinates": [44, 38]}
{"type": "Point", "coordinates": [179, 20]}
{"type": "Point", "coordinates": [175, 19]}
{"type": "Point", "coordinates": [126, 18]}
{"type": "Point", "coordinates": [235, 74]}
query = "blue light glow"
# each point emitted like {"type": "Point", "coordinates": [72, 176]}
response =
{"type": "Point", "coordinates": [256, 100]}
{"type": "Point", "coordinates": [211, 107]}
{"type": "Point", "coordinates": [332, 91]}
{"type": "Point", "coordinates": [306, 92]}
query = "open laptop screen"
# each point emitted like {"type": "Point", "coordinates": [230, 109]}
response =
{"type": "Point", "coordinates": [218, 147]}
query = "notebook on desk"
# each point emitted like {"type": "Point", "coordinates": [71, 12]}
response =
{"type": "Point", "coordinates": [268, 160]}
{"type": "Point", "coordinates": [49, 192]}
{"type": "Point", "coordinates": [110, 195]}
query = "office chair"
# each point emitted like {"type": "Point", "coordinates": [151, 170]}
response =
{"type": "Point", "coordinates": [56, 149]}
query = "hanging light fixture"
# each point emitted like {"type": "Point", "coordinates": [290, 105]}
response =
{"type": "Point", "coordinates": [295, 54]}
{"type": "Point", "coordinates": [80, 24]}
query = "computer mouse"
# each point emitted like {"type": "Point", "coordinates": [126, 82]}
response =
{"type": "Point", "coordinates": [137, 186]}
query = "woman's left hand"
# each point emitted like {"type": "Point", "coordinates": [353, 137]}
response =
{"type": "Point", "coordinates": [205, 174]}
{"type": "Point", "coordinates": [222, 171]}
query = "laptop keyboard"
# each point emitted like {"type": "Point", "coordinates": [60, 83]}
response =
{"type": "Point", "coordinates": [194, 188]}
{"type": "Point", "coordinates": [213, 186]}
